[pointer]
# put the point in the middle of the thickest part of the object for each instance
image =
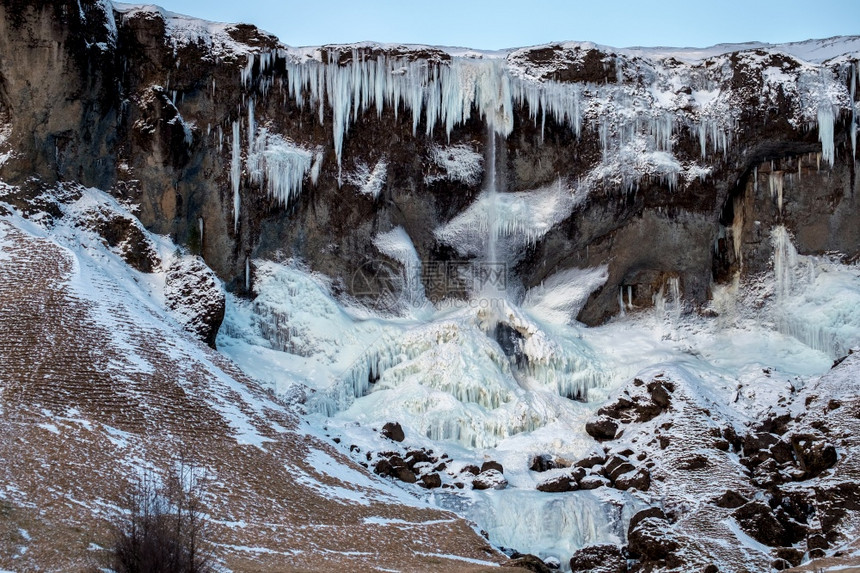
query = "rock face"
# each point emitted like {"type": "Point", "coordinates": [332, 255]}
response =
{"type": "Point", "coordinates": [221, 138]}
{"type": "Point", "coordinates": [193, 293]}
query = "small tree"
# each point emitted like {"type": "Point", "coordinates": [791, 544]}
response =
{"type": "Point", "coordinates": [165, 528]}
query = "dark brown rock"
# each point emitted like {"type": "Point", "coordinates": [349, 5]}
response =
{"type": "Point", "coordinates": [529, 563]}
{"type": "Point", "coordinates": [492, 465]}
{"type": "Point", "coordinates": [393, 431]}
{"type": "Point", "coordinates": [791, 555]}
{"type": "Point", "coordinates": [817, 541]}
{"type": "Point", "coordinates": [593, 482]}
{"type": "Point", "coordinates": [638, 479]}
{"type": "Point", "coordinates": [193, 294]}
{"type": "Point", "coordinates": [814, 455]}
{"type": "Point", "coordinates": [490, 479]}
{"type": "Point", "coordinates": [602, 428]}
{"type": "Point", "coordinates": [652, 538]}
{"type": "Point", "coordinates": [598, 559]}
{"type": "Point", "coordinates": [430, 481]}
{"type": "Point", "coordinates": [758, 521]}
{"type": "Point", "coordinates": [557, 484]}
{"type": "Point", "coordinates": [542, 463]}
{"type": "Point", "coordinates": [730, 500]}
{"type": "Point", "coordinates": [654, 512]}
{"type": "Point", "coordinates": [593, 459]}
{"type": "Point", "coordinates": [472, 469]}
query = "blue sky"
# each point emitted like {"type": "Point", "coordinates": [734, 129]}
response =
{"type": "Point", "coordinates": [504, 23]}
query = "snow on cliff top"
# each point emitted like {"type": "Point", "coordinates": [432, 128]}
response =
{"type": "Point", "coordinates": [187, 29]}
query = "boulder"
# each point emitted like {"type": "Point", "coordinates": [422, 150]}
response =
{"type": "Point", "coordinates": [599, 559]}
{"type": "Point", "coordinates": [654, 512]}
{"type": "Point", "coordinates": [471, 469]}
{"type": "Point", "coordinates": [814, 455]}
{"type": "Point", "coordinates": [490, 479]}
{"type": "Point", "coordinates": [593, 459]}
{"type": "Point", "coordinates": [593, 481]}
{"type": "Point", "coordinates": [492, 465]}
{"type": "Point", "coordinates": [652, 538]}
{"type": "Point", "coordinates": [558, 484]}
{"type": "Point", "coordinates": [396, 468]}
{"type": "Point", "coordinates": [639, 479]}
{"type": "Point", "coordinates": [393, 431]}
{"type": "Point", "coordinates": [542, 463]}
{"type": "Point", "coordinates": [529, 563]}
{"type": "Point", "coordinates": [617, 466]}
{"type": "Point", "coordinates": [730, 500]}
{"type": "Point", "coordinates": [602, 428]}
{"type": "Point", "coordinates": [759, 522]}
{"type": "Point", "coordinates": [791, 555]}
{"type": "Point", "coordinates": [194, 296]}
{"type": "Point", "coordinates": [415, 457]}
{"type": "Point", "coordinates": [430, 481]}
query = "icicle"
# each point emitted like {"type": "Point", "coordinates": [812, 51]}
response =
{"type": "Point", "coordinates": [247, 274]}
{"type": "Point", "coordinates": [675, 292]}
{"type": "Point", "coordinates": [629, 296]}
{"type": "Point", "coordinates": [200, 231]}
{"type": "Point", "coordinates": [738, 228]}
{"type": "Point", "coordinates": [776, 183]}
{"type": "Point", "coordinates": [235, 174]}
{"type": "Point", "coordinates": [248, 71]}
{"type": "Point", "coordinates": [854, 80]}
{"type": "Point", "coordinates": [825, 131]}
{"type": "Point", "coordinates": [252, 124]}
{"type": "Point", "coordinates": [281, 165]}
{"type": "Point", "coordinates": [621, 301]}
{"type": "Point", "coordinates": [784, 261]}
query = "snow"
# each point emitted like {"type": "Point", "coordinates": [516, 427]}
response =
{"type": "Point", "coordinates": [397, 245]}
{"type": "Point", "coordinates": [280, 165]}
{"type": "Point", "coordinates": [515, 220]}
{"type": "Point", "coordinates": [186, 30]}
{"type": "Point", "coordinates": [369, 181]}
{"type": "Point", "coordinates": [559, 298]}
{"type": "Point", "coordinates": [458, 162]}
{"type": "Point", "coordinates": [445, 378]}
{"type": "Point", "coordinates": [549, 525]}
{"type": "Point", "coordinates": [117, 296]}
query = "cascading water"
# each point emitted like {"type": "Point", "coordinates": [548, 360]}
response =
{"type": "Point", "coordinates": [491, 254]}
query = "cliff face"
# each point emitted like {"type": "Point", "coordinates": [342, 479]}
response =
{"type": "Point", "coordinates": [658, 164]}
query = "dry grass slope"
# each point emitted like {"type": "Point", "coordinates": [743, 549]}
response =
{"type": "Point", "coordinates": [94, 387]}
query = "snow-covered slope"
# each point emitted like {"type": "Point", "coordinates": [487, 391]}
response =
{"type": "Point", "coordinates": [99, 383]}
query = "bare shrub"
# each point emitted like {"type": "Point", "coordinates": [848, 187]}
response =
{"type": "Point", "coordinates": [164, 529]}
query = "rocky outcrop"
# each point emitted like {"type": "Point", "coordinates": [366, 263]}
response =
{"type": "Point", "coordinates": [192, 123]}
{"type": "Point", "coordinates": [783, 480]}
{"type": "Point", "coordinates": [194, 295]}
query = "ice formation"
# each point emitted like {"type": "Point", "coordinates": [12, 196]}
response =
{"type": "Point", "coordinates": [776, 184]}
{"type": "Point", "coordinates": [825, 132]}
{"type": "Point", "coordinates": [816, 299]}
{"type": "Point", "coordinates": [457, 163]}
{"type": "Point", "coordinates": [550, 525]}
{"type": "Point", "coordinates": [515, 220]}
{"type": "Point", "coordinates": [236, 174]}
{"type": "Point", "coordinates": [448, 92]}
{"type": "Point", "coordinates": [369, 181]}
{"type": "Point", "coordinates": [397, 245]}
{"type": "Point", "coordinates": [280, 165]}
